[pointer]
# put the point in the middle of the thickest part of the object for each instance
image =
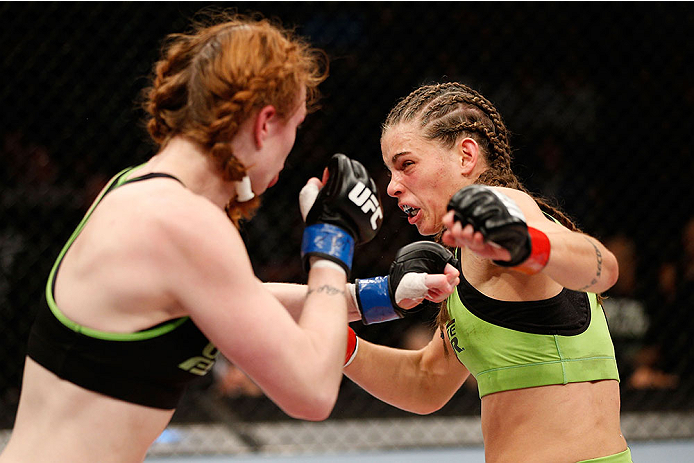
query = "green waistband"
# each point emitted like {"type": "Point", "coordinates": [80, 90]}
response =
{"type": "Point", "coordinates": [543, 374]}
{"type": "Point", "coordinates": [621, 457]}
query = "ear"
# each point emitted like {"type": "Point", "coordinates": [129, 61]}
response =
{"type": "Point", "coordinates": [262, 125]}
{"type": "Point", "coordinates": [468, 150]}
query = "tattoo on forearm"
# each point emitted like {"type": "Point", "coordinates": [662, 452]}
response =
{"type": "Point", "coordinates": [598, 256]}
{"type": "Point", "coordinates": [326, 289]}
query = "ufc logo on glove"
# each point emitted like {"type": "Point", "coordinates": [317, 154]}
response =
{"type": "Point", "coordinates": [342, 213]}
{"type": "Point", "coordinates": [364, 198]}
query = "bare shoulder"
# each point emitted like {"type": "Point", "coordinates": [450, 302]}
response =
{"type": "Point", "coordinates": [173, 227]}
{"type": "Point", "coordinates": [200, 253]}
{"type": "Point", "coordinates": [522, 199]}
{"type": "Point", "coordinates": [516, 195]}
{"type": "Point", "coordinates": [532, 212]}
{"type": "Point", "coordinates": [186, 212]}
{"type": "Point", "coordinates": [194, 228]}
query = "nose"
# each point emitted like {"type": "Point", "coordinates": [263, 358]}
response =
{"type": "Point", "coordinates": [394, 187]}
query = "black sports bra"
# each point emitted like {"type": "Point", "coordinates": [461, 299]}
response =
{"type": "Point", "coordinates": [151, 367]}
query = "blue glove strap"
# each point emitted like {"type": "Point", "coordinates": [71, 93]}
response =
{"type": "Point", "coordinates": [374, 301]}
{"type": "Point", "coordinates": [330, 242]}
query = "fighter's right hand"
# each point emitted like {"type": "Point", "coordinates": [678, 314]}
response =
{"type": "Point", "coordinates": [486, 211]}
{"type": "Point", "coordinates": [421, 270]}
{"type": "Point", "coordinates": [346, 211]}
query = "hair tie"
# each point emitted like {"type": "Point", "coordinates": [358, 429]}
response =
{"type": "Point", "coordinates": [244, 192]}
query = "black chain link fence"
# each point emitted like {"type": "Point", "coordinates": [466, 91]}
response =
{"type": "Point", "coordinates": [599, 97]}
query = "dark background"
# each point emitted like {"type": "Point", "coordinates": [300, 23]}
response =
{"type": "Point", "coordinates": [599, 98]}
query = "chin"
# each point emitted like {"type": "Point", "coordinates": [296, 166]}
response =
{"type": "Point", "coordinates": [427, 231]}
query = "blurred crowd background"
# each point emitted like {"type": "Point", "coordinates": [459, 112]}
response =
{"type": "Point", "coordinates": [599, 97]}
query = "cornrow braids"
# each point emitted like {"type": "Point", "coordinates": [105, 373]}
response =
{"type": "Point", "coordinates": [409, 106]}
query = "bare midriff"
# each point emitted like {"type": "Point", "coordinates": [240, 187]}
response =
{"type": "Point", "coordinates": [557, 423]}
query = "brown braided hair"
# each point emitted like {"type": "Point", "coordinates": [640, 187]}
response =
{"type": "Point", "coordinates": [211, 79]}
{"type": "Point", "coordinates": [448, 111]}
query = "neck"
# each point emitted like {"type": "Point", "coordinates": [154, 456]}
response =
{"type": "Point", "coordinates": [188, 162]}
{"type": "Point", "coordinates": [479, 168]}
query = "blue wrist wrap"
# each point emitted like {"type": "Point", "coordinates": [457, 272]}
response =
{"type": "Point", "coordinates": [373, 300]}
{"type": "Point", "coordinates": [329, 242]}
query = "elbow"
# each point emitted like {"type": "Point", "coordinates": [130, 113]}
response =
{"type": "Point", "coordinates": [313, 407]}
{"type": "Point", "coordinates": [428, 407]}
{"type": "Point", "coordinates": [312, 412]}
{"type": "Point", "coordinates": [316, 411]}
{"type": "Point", "coordinates": [437, 391]}
{"type": "Point", "coordinates": [611, 269]}
{"type": "Point", "coordinates": [429, 401]}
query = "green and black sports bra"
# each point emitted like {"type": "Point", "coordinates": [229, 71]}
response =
{"type": "Point", "coordinates": [151, 367]}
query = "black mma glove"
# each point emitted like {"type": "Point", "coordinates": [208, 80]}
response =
{"type": "Point", "coordinates": [346, 212]}
{"type": "Point", "coordinates": [501, 221]}
{"type": "Point", "coordinates": [377, 298]}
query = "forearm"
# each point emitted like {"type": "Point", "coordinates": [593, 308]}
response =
{"type": "Point", "coordinates": [293, 296]}
{"type": "Point", "coordinates": [324, 314]}
{"type": "Point", "coordinates": [512, 231]}
{"type": "Point", "coordinates": [325, 295]}
{"type": "Point", "coordinates": [313, 371]}
{"type": "Point", "coordinates": [580, 262]}
{"type": "Point", "coordinates": [402, 378]}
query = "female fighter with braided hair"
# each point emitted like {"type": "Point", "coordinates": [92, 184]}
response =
{"type": "Point", "coordinates": [526, 319]}
{"type": "Point", "coordinates": [156, 279]}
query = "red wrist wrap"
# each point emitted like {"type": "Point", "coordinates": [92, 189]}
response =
{"type": "Point", "coordinates": [539, 253]}
{"type": "Point", "coordinates": [351, 346]}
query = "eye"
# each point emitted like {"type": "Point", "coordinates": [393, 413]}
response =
{"type": "Point", "coordinates": [405, 164]}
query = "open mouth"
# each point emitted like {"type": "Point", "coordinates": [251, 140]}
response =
{"type": "Point", "coordinates": [409, 210]}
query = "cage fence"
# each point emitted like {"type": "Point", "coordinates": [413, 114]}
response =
{"type": "Point", "coordinates": [599, 99]}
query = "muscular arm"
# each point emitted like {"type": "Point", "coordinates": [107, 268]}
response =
{"type": "Point", "coordinates": [576, 261]}
{"type": "Point", "coordinates": [297, 362]}
{"type": "Point", "coordinates": [420, 381]}
{"type": "Point", "coordinates": [580, 262]}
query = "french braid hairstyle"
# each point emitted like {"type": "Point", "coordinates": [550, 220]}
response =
{"type": "Point", "coordinates": [211, 79]}
{"type": "Point", "coordinates": [448, 111]}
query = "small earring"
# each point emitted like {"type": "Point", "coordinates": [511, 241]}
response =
{"type": "Point", "coordinates": [244, 192]}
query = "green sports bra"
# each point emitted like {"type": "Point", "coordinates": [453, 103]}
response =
{"type": "Point", "coordinates": [515, 345]}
